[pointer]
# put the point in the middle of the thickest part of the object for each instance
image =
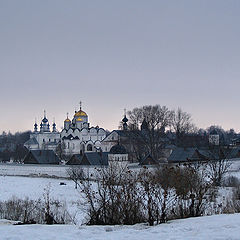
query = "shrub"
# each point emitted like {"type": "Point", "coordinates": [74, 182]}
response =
{"type": "Point", "coordinates": [120, 196]}
{"type": "Point", "coordinates": [29, 211]}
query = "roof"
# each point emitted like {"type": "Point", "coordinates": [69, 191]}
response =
{"type": "Point", "coordinates": [122, 133]}
{"type": "Point", "coordinates": [31, 141]}
{"type": "Point", "coordinates": [128, 134]}
{"type": "Point", "coordinates": [69, 137]}
{"type": "Point", "coordinates": [75, 159]}
{"type": "Point", "coordinates": [181, 154]}
{"type": "Point", "coordinates": [148, 160]}
{"type": "Point", "coordinates": [80, 113]}
{"type": "Point", "coordinates": [41, 157]}
{"type": "Point", "coordinates": [95, 158]}
{"type": "Point", "coordinates": [118, 149]}
{"type": "Point", "coordinates": [195, 154]}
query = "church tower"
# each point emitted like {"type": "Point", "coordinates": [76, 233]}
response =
{"type": "Point", "coordinates": [124, 121]}
{"type": "Point", "coordinates": [67, 123]}
{"type": "Point", "coordinates": [44, 126]}
{"type": "Point", "coordinates": [54, 128]}
{"type": "Point", "coordinates": [35, 126]}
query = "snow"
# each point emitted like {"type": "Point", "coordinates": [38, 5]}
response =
{"type": "Point", "coordinates": [211, 227]}
{"type": "Point", "coordinates": [33, 188]}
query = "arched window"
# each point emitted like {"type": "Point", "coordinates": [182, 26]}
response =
{"type": "Point", "coordinates": [89, 147]}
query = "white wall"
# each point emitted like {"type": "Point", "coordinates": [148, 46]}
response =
{"type": "Point", "coordinates": [44, 170]}
{"type": "Point", "coordinates": [35, 169]}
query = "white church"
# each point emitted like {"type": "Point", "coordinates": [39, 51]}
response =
{"type": "Point", "coordinates": [77, 136]}
{"type": "Point", "coordinates": [45, 138]}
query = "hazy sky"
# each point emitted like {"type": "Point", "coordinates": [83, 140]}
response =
{"type": "Point", "coordinates": [120, 54]}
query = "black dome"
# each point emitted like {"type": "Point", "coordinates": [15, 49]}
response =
{"type": "Point", "coordinates": [125, 119]}
{"type": "Point", "coordinates": [118, 149]}
{"type": "Point", "coordinates": [44, 120]}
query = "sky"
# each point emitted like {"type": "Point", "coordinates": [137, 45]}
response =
{"type": "Point", "coordinates": [113, 55]}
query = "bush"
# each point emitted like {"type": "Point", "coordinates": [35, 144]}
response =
{"type": "Point", "coordinates": [120, 196]}
{"type": "Point", "coordinates": [35, 211]}
{"type": "Point", "coordinates": [114, 198]}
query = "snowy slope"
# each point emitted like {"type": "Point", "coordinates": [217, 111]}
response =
{"type": "Point", "coordinates": [217, 227]}
{"type": "Point", "coordinates": [33, 188]}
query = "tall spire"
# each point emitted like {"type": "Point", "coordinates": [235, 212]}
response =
{"type": "Point", "coordinates": [44, 113]}
{"type": "Point", "coordinates": [54, 125]}
{"type": "Point", "coordinates": [125, 120]}
{"type": "Point", "coordinates": [80, 103]}
{"type": "Point", "coordinates": [35, 125]}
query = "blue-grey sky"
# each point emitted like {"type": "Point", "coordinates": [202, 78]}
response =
{"type": "Point", "coordinates": [114, 54]}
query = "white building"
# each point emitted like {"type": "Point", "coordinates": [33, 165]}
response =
{"type": "Point", "coordinates": [78, 137]}
{"type": "Point", "coordinates": [44, 139]}
{"type": "Point", "coordinates": [116, 136]}
{"type": "Point", "coordinates": [214, 138]}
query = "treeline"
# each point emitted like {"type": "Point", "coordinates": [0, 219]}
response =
{"type": "Point", "coordinates": [12, 146]}
{"type": "Point", "coordinates": [154, 128]}
{"type": "Point", "coordinates": [177, 125]}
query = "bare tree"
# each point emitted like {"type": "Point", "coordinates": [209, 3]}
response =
{"type": "Point", "coordinates": [218, 164]}
{"type": "Point", "coordinates": [76, 174]}
{"type": "Point", "coordinates": [158, 194]}
{"type": "Point", "coordinates": [181, 123]}
{"type": "Point", "coordinates": [147, 125]}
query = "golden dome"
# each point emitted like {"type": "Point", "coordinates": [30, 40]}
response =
{"type": "Point", "coordinates": [80, 113]}
{"type": "Point", "coordinates": [79, 119]}
{"type": "Point", "coordinates": [67, 120]}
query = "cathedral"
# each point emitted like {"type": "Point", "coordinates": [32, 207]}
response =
{"type": "Point", "coordinates": [78, 137]}
{"type": "Point", "coordinates": [44, 138]}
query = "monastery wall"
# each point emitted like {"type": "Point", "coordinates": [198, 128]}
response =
{"type": "Point", "coordinates": [37, 170]}
{"type": "Point", "coordinates": [41, 170]}
{"type": "Point", "coordinates": [60, 171]}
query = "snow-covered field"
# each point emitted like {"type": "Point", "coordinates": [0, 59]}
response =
{"type": "Point", "coordinates": [33, 188]}
{"type": "Point", "coordinates": [219, 227]}
{"type": "Point", "coordinates": [210, 227]}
